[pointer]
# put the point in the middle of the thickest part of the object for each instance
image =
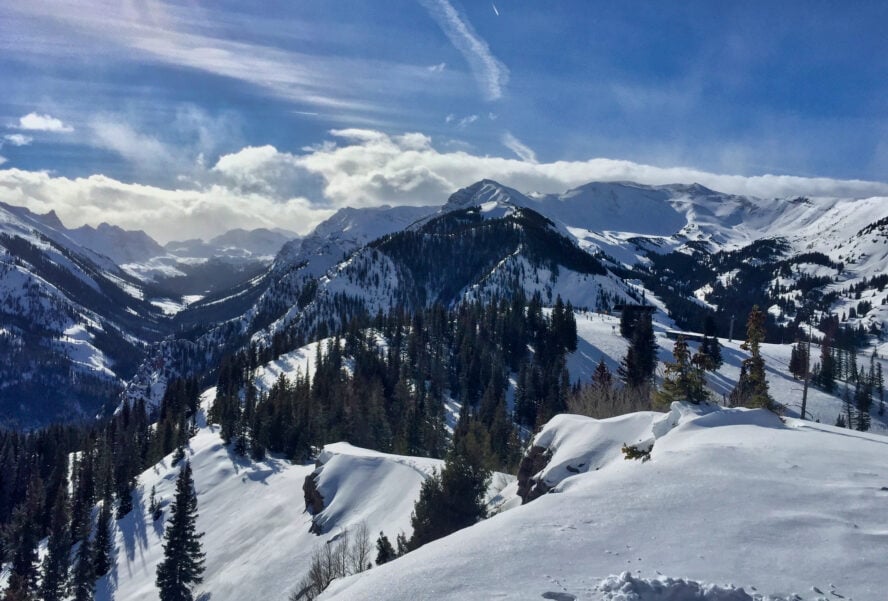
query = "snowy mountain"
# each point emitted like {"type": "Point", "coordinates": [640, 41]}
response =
{"type": "Point", "coordinates": [121, 246]}
{"type": "Point", "coordinates": [403, 328]}
{"type": "Point", "coordinates": [233, 245]}
{"type": "Point", "coordinates": [73, 324]}
{"type": "Point", "coordinates": [690, 251]}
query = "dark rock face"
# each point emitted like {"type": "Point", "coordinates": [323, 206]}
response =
{"type": "Point", "coordinates": [314, 502]}
{"type": "Point", "coordinates": [533, 462]}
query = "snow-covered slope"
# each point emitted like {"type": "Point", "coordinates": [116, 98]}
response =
{"type": "Point", "coordinates": [728, 497]}
{"type": "Point", "coordinates": [72, 322]}
{"type": "Point", "coordinates": [257, 540]}
{"type": "Point", "coordinates": [599, 338]}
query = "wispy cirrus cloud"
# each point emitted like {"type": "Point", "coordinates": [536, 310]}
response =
{"type": "Point", "coordinates": [492, 75]}
{"type": "Point", "coordinates": [524, 152]}
{"type": "Point", "coordinates": [38, 122]}
{"type": "Point", "coordinates": [346, 86]}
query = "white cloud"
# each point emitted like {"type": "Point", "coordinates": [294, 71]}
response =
{"type": "Point", "coordinates": [190, 136]}
{"type": "Point", "coordinates": [264, 187]}
{"type": "Point", "coordinates": [437, 68]}
{"type": "Point", "coordinates": [163, 213]}
{"type": "Point", "coordinates": [375, 168]}
{"type": "Point", "coordinates": [38, 122]}
{"type": "Point", "coordinates": [524, 152]}
{"type": "Point", "coordinates": [491, 74]}
{"type": "Point", "coordinates": [121, 138]}
{"type": "Point", "coordinates": [2, 160]}
{"type": "Point", "coordinates": [18, 139]}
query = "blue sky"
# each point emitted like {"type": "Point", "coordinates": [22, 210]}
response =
{"type": "Point", "coordinates": [240, 101]}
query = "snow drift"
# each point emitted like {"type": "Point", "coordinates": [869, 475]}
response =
{"type": "Point", "coordinates": [729, 496]}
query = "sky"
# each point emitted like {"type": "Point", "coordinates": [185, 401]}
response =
{"type": "Point", "coordinates": [189, 118]}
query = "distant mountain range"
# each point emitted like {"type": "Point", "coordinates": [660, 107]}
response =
{"type": "Point", "coordinates": [177, 309]}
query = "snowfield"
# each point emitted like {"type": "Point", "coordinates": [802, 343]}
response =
{"type": "Point", "coordinates": [733, 497]}
{"type": "Point", "coordinates": [257, 540]}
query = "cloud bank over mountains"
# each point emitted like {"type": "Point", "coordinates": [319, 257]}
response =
{"type": "Point", "coordinates": [261, 186]}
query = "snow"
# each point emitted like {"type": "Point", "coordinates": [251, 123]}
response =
{"type": "Point", "coordinates": [626, 587]}
{"type": "Point", "coordinates": [257, 539]}
{"type": "Point", "coordinates": [76, 344]}
{"type": "Point", "coordinates": [732, 497]}
{"type": "Point", "coordinates": [171, 306]}
{"type": "Point", "coordinates": [598, 337]}
{"type": "Point", "coordinates": [348, 473]}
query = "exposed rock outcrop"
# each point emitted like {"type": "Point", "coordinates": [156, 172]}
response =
{"type": "Point", "coordinates": [533, 462]}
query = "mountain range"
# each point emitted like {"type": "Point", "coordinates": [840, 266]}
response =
{"type": "Point", "coordinates": [688, 250]}
{"type": "Point", "coordinates": [457, 314]}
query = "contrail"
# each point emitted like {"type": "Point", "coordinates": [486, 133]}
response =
{"type": "Point", "coordinates": [495, 11]}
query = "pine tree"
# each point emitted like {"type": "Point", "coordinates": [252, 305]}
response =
{"type": "Point", "coordinates": [183, 563]}
{"type": "Point", "coordinates": [403, 544]}
{"type": "Point", "coordinates": [863, 402]}
{"type": "Point", "coordinates": [752, 388]}
{"type": "Point", "coordinates": [83, 580]}
{"type": "Point", "coordinates": [102, 543]}
{"type": "Point", "coordinates": [827, 376]}
{"type": "Point", "coordinates": [710, 349]}
{"type": "Point", "coordinates": [880, 386]}
{"type": "Point", "coordinates": [56, 562]}
{"type": "Point", "coordinates": [849, 406]}
{"type": "Point", "coordinates": [795, 362]}
{"type": "Point", "coordinates": [454, 498]}
{"type": "Point", "coordinates": [684, 381]}
{"type": "Point", "coordinates": [24, 536]}
{"type": "Point", "coordinates": [602, 377]}
{"type": "Point", "coordinates": [385, 552]}
{"type": "Point", "coordinates": [154, 505]}
{"type": "Point", "coordinates": [125, 498]}
{"type": "Point", "coordinates": [637, 367]}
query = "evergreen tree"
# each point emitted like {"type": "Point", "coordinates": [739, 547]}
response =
{"type": "Point", "coordinates": [795, 362]}
{"type": "Point", "coordinates": [849, 406]}
{"type": "Point", "coordinates": [23, 538]}
{"type": "Point", "coordinates": [452, 499]}
{"type": "Point", "coordinates": [154, 505]}
{"type": "Point", "coordinates": [602, 376]}
{"type": "Point", "coordinates": [710, 349]}
{"type": "Point", "coordinates": [57, 561]}
{"type": "Point", "coordinates": [880, 386]}
{"type": "Point", "coordinates": [752, 388]}
{"type": "Point", "coordinates": [684, 380]}
{"type": "Point", "coordinates": [183, 563]}
{"type": "Point", "coordinates": [385, 552]}
{"type": "Point", "coordinates": [103, 541]}
{"type": "Point", "coordinates": [863, 402]}
{"type": "Point", "coordinates": [403, 544]}
{"type": "Point", "coordinates": [638, 366]}
{"type": "Point", "coordinates": [827, 374]}
{"type": "Point", "coordinates": [125, 498]}
{"type": "Point", "coordinates": [83, 580]}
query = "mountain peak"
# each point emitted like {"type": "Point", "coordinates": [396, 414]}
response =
{"type": "Point", "coordinates": [484, 191]}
